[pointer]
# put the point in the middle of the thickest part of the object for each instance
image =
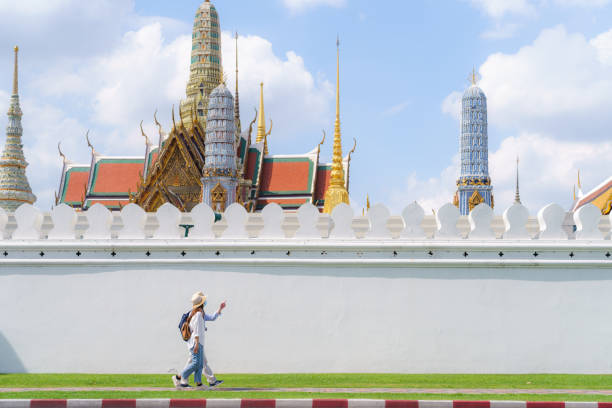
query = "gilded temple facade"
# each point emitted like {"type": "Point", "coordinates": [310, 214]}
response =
{"type": "Point", "coordinates": [474, 184]}
{"type": "Point", "coordinates": [205, 156]}
{"type": "Point", "coordinates": [14, 186]}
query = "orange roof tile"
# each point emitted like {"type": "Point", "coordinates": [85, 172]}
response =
{"type": "Point", "coordinates": [116, 176]}
{"type": "Point", "coordinates": [281, 176]}
{"type": "Point", "coordinates": [75, 183]}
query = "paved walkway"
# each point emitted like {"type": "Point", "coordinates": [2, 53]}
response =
{"type": "Point", "coordinates": [492, 391]}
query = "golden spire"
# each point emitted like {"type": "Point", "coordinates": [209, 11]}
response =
{"type": "Point", "coordinates": [336, 192]}
{"type": "Point", "coordinates": [262, 135]}
{"type": "Point", "coordinates": [15, 75]}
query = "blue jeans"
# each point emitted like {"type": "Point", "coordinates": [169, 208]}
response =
{"type": "Point", "coordinates": [195, 366]}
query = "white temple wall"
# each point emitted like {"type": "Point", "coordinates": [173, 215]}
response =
{"type": "Point", "coordinates": [308, 292]}
{"type": "Point", "coordinates": [308, 318]}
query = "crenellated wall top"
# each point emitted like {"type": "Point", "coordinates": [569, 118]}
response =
{"type": "Point", "coordinates": [63, 223]}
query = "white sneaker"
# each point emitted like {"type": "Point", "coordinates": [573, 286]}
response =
{"type": "Point", "coordinates": [175, 381]}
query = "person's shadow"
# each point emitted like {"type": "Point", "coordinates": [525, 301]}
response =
{"type": "Point", "coordinates": [9, 360]}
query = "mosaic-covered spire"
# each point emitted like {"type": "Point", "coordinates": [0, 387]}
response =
{"type": "Point", "coordinates": [219, 179]}
{"type": "Point", "coordinates": [205, 69]}
{"type": "Point", "coordinates": [14, 187]}
{"type": "Point", "coordinates": [474, 184]}
{"type": "Point", "coordinates": [336, 192]}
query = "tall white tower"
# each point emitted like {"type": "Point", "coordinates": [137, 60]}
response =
{"type": "Point", "coordinates": [474, 184]}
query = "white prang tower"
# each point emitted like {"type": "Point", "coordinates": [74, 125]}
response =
{"type": "Point", "coordinates": [474, 184]}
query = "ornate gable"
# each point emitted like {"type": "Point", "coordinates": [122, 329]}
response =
{"type": "Point", "coordinates": [176, 174]}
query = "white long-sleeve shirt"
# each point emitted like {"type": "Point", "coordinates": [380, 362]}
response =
{"type": "Point", "coordinates": [198, 328]}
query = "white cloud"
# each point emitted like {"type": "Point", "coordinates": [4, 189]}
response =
{"type": "Point", "coordinates": [294, 99]}
{"type": "Point", "coordinates": [547, 168]}
{"type": "Point", "coordinates": [452, 105]}
{"type": "Point", "coordinates": [296, 6]}
{"type": "Point", "coordinates": [396, 109]}
{"type": "Point", "coordinates": [499, 8]}
{"type": "Point", "coordinates": [603, 45]}
{"type": "Point", "coordinates": [583, 3]}
{"type": "Point", "coordinates": [430, 193]}
{"type": "Point", "coordinates": [559, 84]}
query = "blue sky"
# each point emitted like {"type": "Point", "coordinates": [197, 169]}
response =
{"type": "Point", "coordinates": [546, 67]}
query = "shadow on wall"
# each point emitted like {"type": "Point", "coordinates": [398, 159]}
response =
{"type": "Point", "coordinates": [9, 360]}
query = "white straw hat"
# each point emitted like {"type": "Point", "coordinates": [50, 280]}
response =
{"type": "Point", "coordinates": [198, 299]}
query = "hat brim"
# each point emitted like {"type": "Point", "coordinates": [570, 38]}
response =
{"type": "Point", "coordinates": [201, 303]}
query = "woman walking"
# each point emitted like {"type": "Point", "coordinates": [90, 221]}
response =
{"type": "Point", "coordinates": [197, 362]}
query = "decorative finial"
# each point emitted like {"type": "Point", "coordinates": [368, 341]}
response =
{"type": "Point", "coordinates": [517, 195]}
{"type": "Point", "coordinates": [368, 202]}
{"type": "Point", "coordinates": [474, 76]}
{"type": "Point", "coordinates": [251, 125]}
{"type": "Point", "coordinates": [15, 73]}
{"type": "Point", "coordinates": [173, 120]}
{"type": "Point", "coordinates": [147, 141]}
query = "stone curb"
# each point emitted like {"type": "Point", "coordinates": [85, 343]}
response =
{"type": "Point", "coordinates": [286, 403]}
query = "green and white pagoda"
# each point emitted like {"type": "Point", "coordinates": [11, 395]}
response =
{"type": "Point", "coordinates": [14, 187]}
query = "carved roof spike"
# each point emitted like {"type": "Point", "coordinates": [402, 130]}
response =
{"type": "Point", "coordinates": [181, 116]}
{"type": "Point", "coordinates": [62, 155]}
{"type": "Point", "coordinates": [252, 122]}
{"type": "Point", "coordinates": [352, 150]}
{"type": "Point", "coordinates": [173, 121]}
{"type": "Point", "coordinates": [93, 151]}
{"type": "Point", "coordinates": [147, 141]}
{"type": "Point", "coordinates": [161, 130]}
{"type": "Point", "coordinates": [322, 140]}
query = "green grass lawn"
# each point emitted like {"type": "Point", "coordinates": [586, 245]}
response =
{"type": "Point", "coordinates": [526, 381]}
{"type": "Point", "coordinates": [531, 381]}
{"type": "Point", "coordinates": [288, 395]}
